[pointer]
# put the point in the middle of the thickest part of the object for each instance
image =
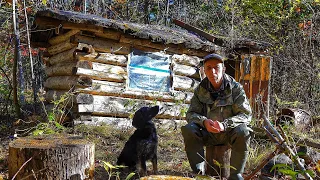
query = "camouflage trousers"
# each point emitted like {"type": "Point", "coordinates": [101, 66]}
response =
{"type": "Point", "coordinates": [196, 137]}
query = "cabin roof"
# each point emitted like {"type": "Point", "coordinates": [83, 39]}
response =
{"type": "Point", "coordinates": [155, 33]}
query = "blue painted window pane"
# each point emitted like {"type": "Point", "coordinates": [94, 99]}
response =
{"type": "Point", "coordinates": [149, 71]}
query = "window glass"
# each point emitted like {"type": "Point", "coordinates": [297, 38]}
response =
{"type": "Point", "coordinates": [149, 71]}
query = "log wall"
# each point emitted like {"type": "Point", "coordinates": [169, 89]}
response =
{"type": "Point", "coordinates": [95, 70]}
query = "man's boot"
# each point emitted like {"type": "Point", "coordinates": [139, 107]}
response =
{"type": "Point", "coordinates": [237, 162]}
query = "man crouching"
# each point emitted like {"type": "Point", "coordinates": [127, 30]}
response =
{"type": "Point", "coordinates": [218, 115]}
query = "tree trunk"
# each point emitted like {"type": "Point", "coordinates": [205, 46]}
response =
{"type": "Point", "coordinates": [51, 158]}
{"type": "Point", "coordinates": [15, 63]}
{"type": "Point", "coordinates": [220, 154]}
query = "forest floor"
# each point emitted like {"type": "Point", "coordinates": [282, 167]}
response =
{"type": "Point", "coordinates": [109, 142]}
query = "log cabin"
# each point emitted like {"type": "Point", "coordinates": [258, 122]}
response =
{"type": "Point", "coordinates": [113, 67]}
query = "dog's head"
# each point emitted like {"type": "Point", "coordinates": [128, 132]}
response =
{"type": "Point", "coordinates": [144, 115]}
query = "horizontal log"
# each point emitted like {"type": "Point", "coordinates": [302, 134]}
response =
{"type": "Point", "coordinates": [106, 58]}
{"type": "Point", "coordinates": [124, 107]}
{"type": "Point", "coordinates": [58, 48]}
{"type": "Point", "coordinates": [106, 88]}
{"type": "Point", "coordinates": [186, 60]}
{"type": "Point", "coordinates": [63, 37]}
{"type": "Point", "coordinates": [67, 69]}
{"type": "Point", "coordinates": [83, 27]}
{"type": "Point", "coordinates": [68, 97]}
{"type": "Point", "coordinates": [127, 39]}
{"type": "Point", "coordinates": [69, 55]}
{"type": "Point", "coordinates": [126, 122]}
{"type": "Point", "coordinates": [182, 83]}
{"type": "Point", "coordinates": [65, 56]}
{"type": "Point", "coordinates": [109, 34]}
{"type": "Point", "coordinates": [185, 70]}
{"type": "Point", "coordinates": [115, 74]}
{"type": "Point", "coordinates": [138, 43]}
{"type": "Point", "coordinates": [103, 45]}
{"type": "Point", "coordinates": [67, 82]}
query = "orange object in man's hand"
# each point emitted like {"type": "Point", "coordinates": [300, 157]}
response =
{"type": "Point", "coordinates": [213, 126]}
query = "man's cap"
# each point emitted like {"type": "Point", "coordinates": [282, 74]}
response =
{"type": "Point", "coordinates": [213, 56]}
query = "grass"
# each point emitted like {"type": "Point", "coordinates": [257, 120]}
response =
{"type": "Point", "coordinates": [172, 158]}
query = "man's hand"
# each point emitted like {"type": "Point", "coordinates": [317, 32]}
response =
{"type": "Point", "coordinates": [213, 126]}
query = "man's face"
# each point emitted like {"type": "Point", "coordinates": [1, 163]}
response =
{"type": "Point", "coordinates": [214, 70]}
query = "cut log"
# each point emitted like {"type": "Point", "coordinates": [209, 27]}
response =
{"type": "Point", "coordinates": [63, 37]}
{"type": "Point", "coordinates": [103, 45]}
{"type": "Point", "coordinates": [182, 83]}
{"type": "Point", "coordinates": [67, 82]}
{"type": "Point", "coordinates": [106, 88]}
{"type": "Point", "coordinates": [60, 157]}
{"type": "Point", "coordinates": [58, 48]}
{"type": "Point", "coordinates": [222, 155]}
{"type": "Point", "coordinates": [63, 57]}
{"type": "Point", "coordinates": [67, 69]}
{"type": "Point", "coordinates": [106, 58]}
{"type": "Point", "coordinates": [186, 60]}
{"type": "Point", "coordinates": [116, 74]}
{"type": "Point", "coordinates": [185, 70]}
{"type": "Point", "coordinates": [124, 107]}
{"type": "Point", "coordinates": [93, 70]}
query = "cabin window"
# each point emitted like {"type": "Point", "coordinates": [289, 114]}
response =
{"type": "Point", "coordinates": [149, 71]}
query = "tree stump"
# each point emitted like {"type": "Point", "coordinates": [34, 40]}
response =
{"type": "Point", "coordinates": [222, 155]}
{"type": "Point", "coordinates": [51, 158]}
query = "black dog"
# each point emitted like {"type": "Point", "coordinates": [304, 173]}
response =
{"type": "Point", "coordinates": [142, 145]}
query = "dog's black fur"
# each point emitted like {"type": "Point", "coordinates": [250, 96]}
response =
{"type": "Point", "coordinates": [143, 143]}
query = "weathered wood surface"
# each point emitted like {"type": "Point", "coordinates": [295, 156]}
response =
{"type": "Point", "coordinates": [222, 155]}
{"type": "Point", "coordinates": [127, 39]}
{"type": "Point", "coordinates": [182, 83]}
{"type": "Point", "coordinates": [58, 48]}
{"type": "Point", "coordinates": [106, 58]}
{"type": "Point", "coordinates": [63, 57]}
{"type": "Point", "coordinates": [165, 177]}
{"type": "Point", "coordinates": [186, 60]}
{"type": "Point", "coordinates": [106, 88]}
{"type": "Point", "coordinates": [123, 107]}
{"type": "Point", "coordinates": [63, 37]}
{"type": "Point", "coordinates": [51, 158]}
{"type": "Point", "coordinates": [103, 45]}
{"type": "Point", "coordinates": [67, 82]}
{"type": "Point", "coordinates": [109, 34]}
{"type": "Point", "coordinates": [185, 70]}
{"type": "Point", "coordinates": [87, 68]}
{"type": "Point", "coordinates": [126, 122]}
{"type": "Point", "coordinates": [116, 74]}
{"type": "Point", "coordinates": [67, 68]}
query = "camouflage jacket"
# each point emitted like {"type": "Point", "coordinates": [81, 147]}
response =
{"type": "Point", "coordinates": [231, 106]}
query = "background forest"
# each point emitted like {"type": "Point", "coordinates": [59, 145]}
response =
{"type": "Point", "coordinates": [291, 26]}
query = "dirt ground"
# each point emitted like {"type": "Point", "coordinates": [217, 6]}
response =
{"type": "Point", "coordinates": [109, 142]}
